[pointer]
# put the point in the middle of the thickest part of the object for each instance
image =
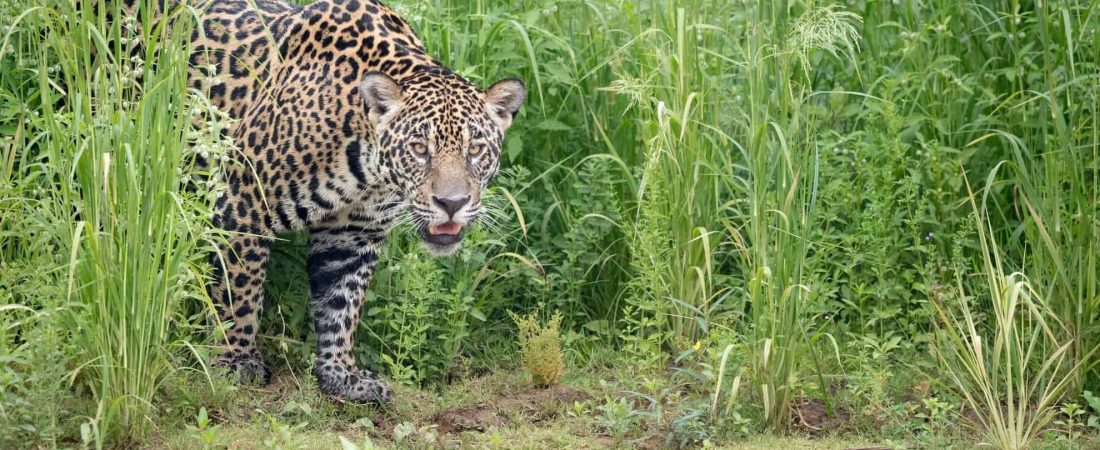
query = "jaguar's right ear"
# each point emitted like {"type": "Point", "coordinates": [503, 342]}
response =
{"type": "Point", "coordinates": [382, 96]}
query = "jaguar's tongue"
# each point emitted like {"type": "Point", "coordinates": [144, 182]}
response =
{"type": "Point", "coordinates": [451, 228]}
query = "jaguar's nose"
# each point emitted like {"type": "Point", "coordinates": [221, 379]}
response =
{"type": "Point", "coordinates": [451, 205]}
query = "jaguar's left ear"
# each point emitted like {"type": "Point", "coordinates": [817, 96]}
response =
{"type": "Point", "coordinates": [504, 99]}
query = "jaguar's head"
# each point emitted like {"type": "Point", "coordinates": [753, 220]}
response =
{"type": "Point", "coordinates": [441, 137]}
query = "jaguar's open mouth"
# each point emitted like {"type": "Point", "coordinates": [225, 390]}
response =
{"type": "Point", "coordinates": [444, 235]}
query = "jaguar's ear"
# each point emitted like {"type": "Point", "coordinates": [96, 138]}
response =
{"type": "Point", "coordinates": [504, 99]}
{"type": "Point", "coordinates": [382, 96]}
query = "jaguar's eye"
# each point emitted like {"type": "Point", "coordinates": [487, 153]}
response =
{"type": "Point", "coordinates": [419, 148]}
{"type": "Point", "coordinates": [476, 149]}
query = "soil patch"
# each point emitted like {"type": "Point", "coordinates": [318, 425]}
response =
{"type": "Point", "coordinates": [534, 404]}
{"type": "Point", "coordinates": [477, 418]}
{"type": "Point", "coordinates": [812, 417]}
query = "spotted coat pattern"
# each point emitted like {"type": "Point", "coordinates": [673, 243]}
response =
{"type": "Point", "coordinates": [347, 128]}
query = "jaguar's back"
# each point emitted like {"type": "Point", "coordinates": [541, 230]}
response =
{"type": "Point", "coordinates": [239, 43]}
{"type": "Point", "coordinates": [233, 52]}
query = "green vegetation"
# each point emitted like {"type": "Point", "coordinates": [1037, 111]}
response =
{"type": "Point", "coordinates": [540, 346]}
{"type": "Point", "coordinates": [759, 222]}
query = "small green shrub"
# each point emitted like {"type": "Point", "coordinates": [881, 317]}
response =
{"type": "Point", "coordinates": [417, 322]}
{"type": "Point", "coordinates": [204, 432]}
{"type": "Point", "coordinates": [541, 348]}
{"type": "Point", "coordinates": [617, 417]}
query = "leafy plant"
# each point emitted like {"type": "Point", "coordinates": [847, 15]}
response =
{"type": "Point", "coordinates": [540, 346]}
{"type": "Point", "coordinates": [616, 418]}
{"type": "Point", "coordinates": [689, 430]}
{"type": "Point", "coordinates": [418, 324]}
{"type": "Point", "coordinates": [204, 431]}
{"type": "Point", "coordinates": [1093, 402]}
{"type": "Point", "coordinates": [403, 431]}
{"type": "Point", "coordinates": [1070, 422]}
{"type": "Point", "coordinates": [935, 414]}
{"type": "Point", "coordinates": [872, 370]}
{"type": "Point", "coordinates": [282, 434]}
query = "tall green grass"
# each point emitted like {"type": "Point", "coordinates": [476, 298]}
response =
{"type": "Point", "coordinates": [1058, 177]}
{"type": "Point", "coordinates": [673, 230]}
{"type": "Point", "coordinates": [1016, 366]}
{"type": "Point", "coordinates": [116, 143]}
{"type": "Point", "coordinates": [773, 230]}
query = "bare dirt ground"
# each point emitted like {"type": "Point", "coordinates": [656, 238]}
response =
{"type": "Point", "coordinates": [535, 405]}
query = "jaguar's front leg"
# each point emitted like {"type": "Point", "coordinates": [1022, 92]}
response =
{"type": "Point", "coordinates": [342, 256]}
{"type": "Point", "coordinates": [237, 293]}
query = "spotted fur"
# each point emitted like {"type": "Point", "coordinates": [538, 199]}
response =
{"type": "Point", "coordinates": [346, 128]}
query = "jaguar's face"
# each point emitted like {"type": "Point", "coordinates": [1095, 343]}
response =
{"type": "Point", "coordinates": [441, 137]}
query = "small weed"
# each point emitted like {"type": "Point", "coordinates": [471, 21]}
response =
{"type": "Point", "coordinates": [204, 431]}
{"type": "Point", "coordinates": [736, 423]}
{"type": "Point", "coordinates": [689, 430]}
{"type": "Point", "coordinates": [616, 418]}
{"type": "Point", "coordinates": [297, 410]}
{"type": "Point", "coordinates": [282, 435]}
{"type": "Point", "coordinates": [580, 409]}
{"type": "Point", "coordinates": [541, 348]}
{"type": "Point", "coordinates": [403, 431]}
{"type": "Point", "coordinates": [935, 415]}
{"type": "Point", "coordinates": [1071, 422]}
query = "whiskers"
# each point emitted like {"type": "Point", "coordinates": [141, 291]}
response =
{"type": "Point", "coordinates": [395, 215]}
{"type": "Point", "coordinates": [404, 221]}
{"type": "Point", "coordinates": [492, 217]}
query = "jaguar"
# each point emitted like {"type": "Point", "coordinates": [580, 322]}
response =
{"type": "Point", "coordinates": [345, 127]}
